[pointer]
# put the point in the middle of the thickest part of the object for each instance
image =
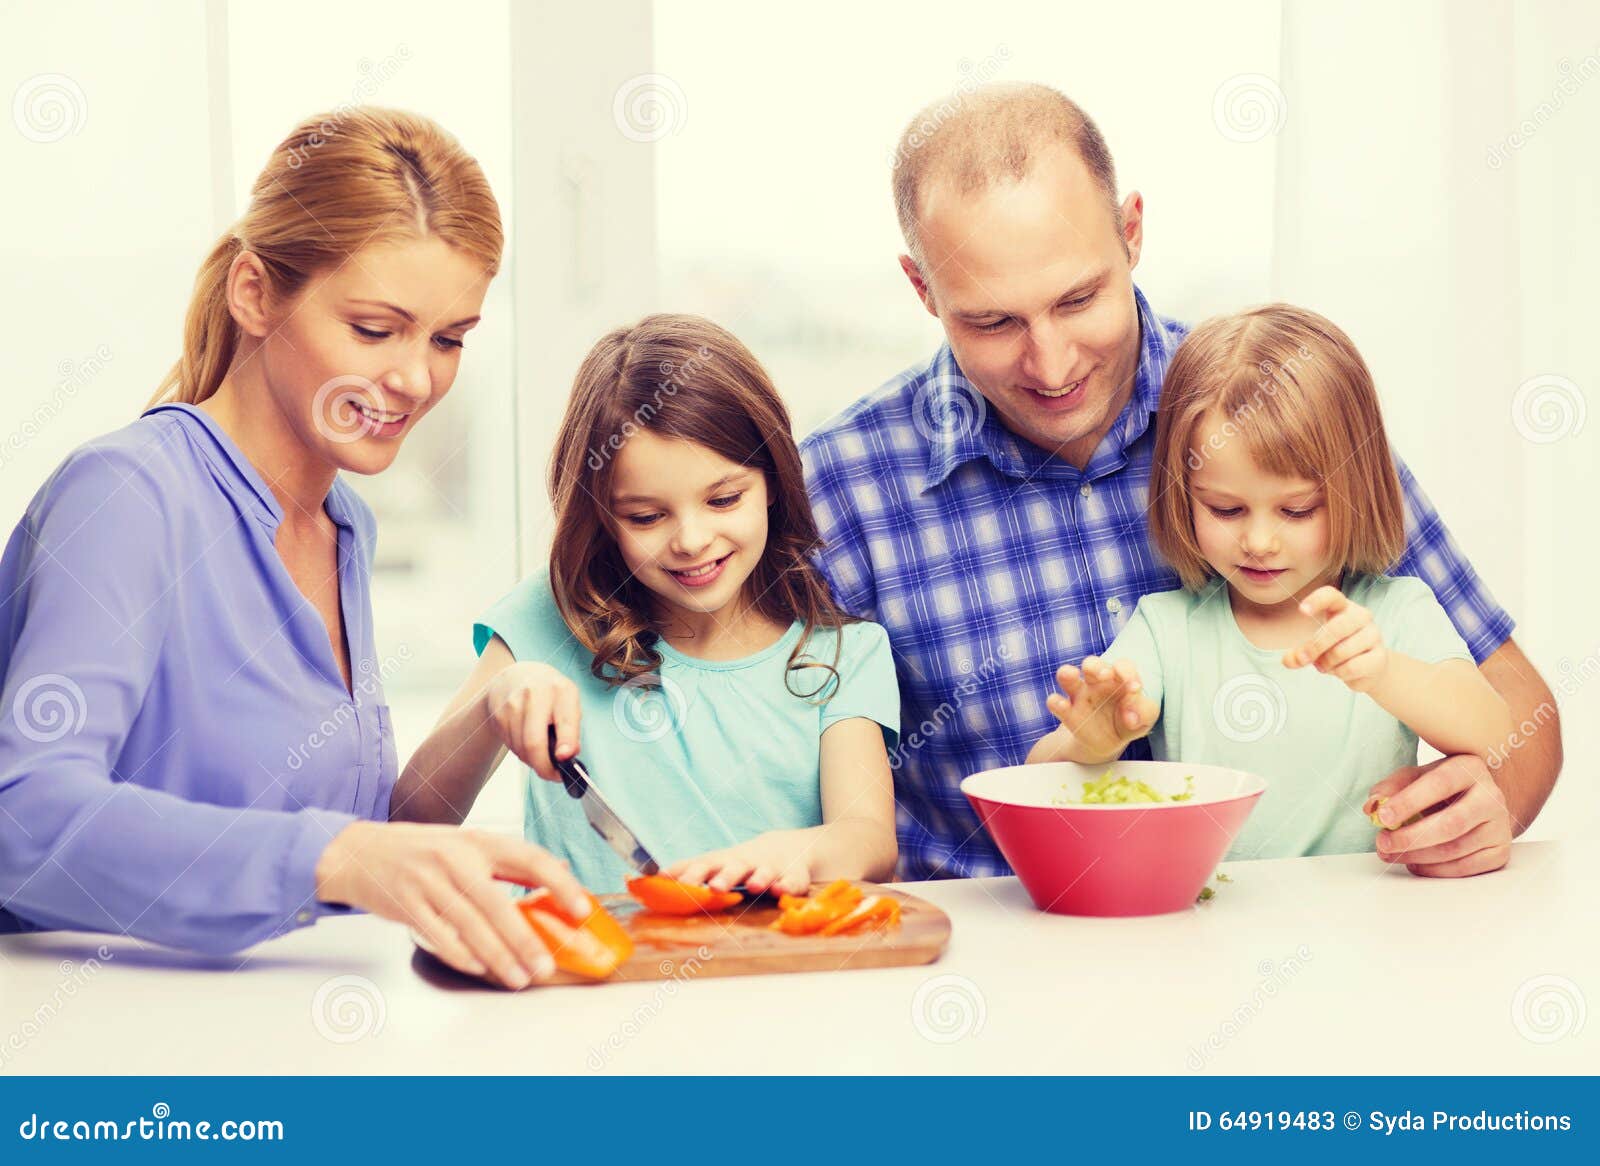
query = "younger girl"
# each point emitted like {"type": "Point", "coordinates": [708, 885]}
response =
{"type": "Point", "coordinates": [1274, 495]}
{"type": "Point", "coordinates": [730, 713]}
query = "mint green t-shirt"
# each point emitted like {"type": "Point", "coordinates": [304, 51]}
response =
{"type": "Point", "coordinates": [720, 752]}
{"type": "Point", "coordinates": [1319, 745]}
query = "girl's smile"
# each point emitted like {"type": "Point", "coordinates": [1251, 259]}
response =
{"type": "Point", "coordinates": [691, 526]}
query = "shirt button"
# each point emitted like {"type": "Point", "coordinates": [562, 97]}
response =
{"type": "Point", "coordinates": [303, 917]}
{"type": "Point", "coordinates": [1113, 605]}
{"type": "Point", "coordinates": [1085, 490]}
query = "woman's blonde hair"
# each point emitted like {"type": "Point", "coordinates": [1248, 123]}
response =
{"type": "Point", "coordinates": [339, 182]}
{"type": "Point", "coordinates": [1291, 386]}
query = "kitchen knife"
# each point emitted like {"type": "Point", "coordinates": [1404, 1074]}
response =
{"type": "Point", "coordinates": [606, 823]}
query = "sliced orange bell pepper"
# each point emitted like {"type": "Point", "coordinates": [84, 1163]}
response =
{"type": "Point", "coordinates": [806, 914]}
{"type": "Point", "coordinates": [593, 947]}
{"type": "Point", "coordinates": [667, 896]}
{"type": "Point", "coordinates": [877, 912]}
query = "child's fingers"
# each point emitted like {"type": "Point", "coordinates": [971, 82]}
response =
{"type": "Point", "coordinates": [1348, 649]}
{"type": "Point", "coordinates": [731, 875]}
{"type": "Point", "coordinates": [1127, 672]}
{"type": "Point", "coordinates": [793, 882]}
{"type": "Point", "coordinates": [1138, 712]}
{"type": "Point", "coordinates": [697, 870]}
{"type": "Point", "coordinates": [1326, 600]}
{"type": "Point", "coordinates": [1349, 621]}
{"type": "Point", "coordinates": [1070, 679]}
{"type": "Point", "coordinates": [566, 714]}
{"type": "Point", "coordinates": [760, 879]}
{"type": "Point", "coordinates": [532, 736]}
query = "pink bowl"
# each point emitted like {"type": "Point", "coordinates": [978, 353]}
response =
{"type": "Point", "coordinates": [1141, 859]}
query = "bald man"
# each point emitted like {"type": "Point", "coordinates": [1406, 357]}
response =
{"type": "Point", "coordinates": [988, 506]}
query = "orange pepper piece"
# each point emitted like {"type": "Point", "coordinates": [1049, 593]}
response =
{"type": "Point", "coordinates": [877, 912]}
{"type": "Point", "coordinates": [593, 947]}
{"type": "Point", "coordinates": [806, 914]}
{"type": "Point", "coordinates": [667, 896]}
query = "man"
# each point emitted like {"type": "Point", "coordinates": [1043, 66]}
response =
{"type": "Point", "coordinates": [988, 507]}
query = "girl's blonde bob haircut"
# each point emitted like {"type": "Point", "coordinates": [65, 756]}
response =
{"type": "Point", "coordinates": [1290, 385]}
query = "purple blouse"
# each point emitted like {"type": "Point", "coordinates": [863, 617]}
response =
{"type": "Point", "coordinates": [177, 746]}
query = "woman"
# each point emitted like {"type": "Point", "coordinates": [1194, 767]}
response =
{"type": "Point", "coordinates": [194, 747]}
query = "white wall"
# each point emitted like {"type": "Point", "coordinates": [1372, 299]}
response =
{"type": "Point", "coordinates": [1461, 265]}
{"type": "Point", "coordinates": [1433, 186]}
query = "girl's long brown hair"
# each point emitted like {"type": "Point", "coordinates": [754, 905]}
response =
{"type": "Point", "coordinates": [678, 377]}
{"type": "Point", "coordinates": [340, 181]}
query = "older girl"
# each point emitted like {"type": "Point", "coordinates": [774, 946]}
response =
{"type": "Point", "coordinates": [730, 712]}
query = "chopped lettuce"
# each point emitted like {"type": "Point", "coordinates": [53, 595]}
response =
{"type": "Point", "coordinates": [1107, 790]}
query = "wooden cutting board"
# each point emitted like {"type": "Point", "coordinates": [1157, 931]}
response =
{"type": "Point", "coordinates": [739, 942]}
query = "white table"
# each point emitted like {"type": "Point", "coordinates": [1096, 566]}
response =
{"type": "Point", "coordinates": [1322, 965]}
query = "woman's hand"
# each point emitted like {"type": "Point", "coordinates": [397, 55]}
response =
{"type": "Point", "coordinates": [1103, 707]}
{"type": "Point", "coordinates": [1348, 645]}
{"type": "Point", "coordinates": [441, 881]}
{"type": "Point", "coordinates": [522, 702]}
{"type": "Point", "coordinates": [779, 861]}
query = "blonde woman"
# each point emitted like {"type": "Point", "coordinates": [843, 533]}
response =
{"type": "Point", "coordinates": [1274, 495]}
{"type": "Point", "coordinates": [194, 746]}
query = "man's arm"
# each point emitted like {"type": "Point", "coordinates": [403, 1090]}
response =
{"type": "Point", "coordinates": [1526, 765]}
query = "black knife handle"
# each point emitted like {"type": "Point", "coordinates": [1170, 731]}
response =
{"type": "Point", "coordinates": [574, 777]}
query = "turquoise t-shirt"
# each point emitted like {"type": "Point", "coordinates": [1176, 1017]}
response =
{"type": "Point", "coordinates": [720, 752]}
{"type": "Point", "coordinates": [1319, 745]}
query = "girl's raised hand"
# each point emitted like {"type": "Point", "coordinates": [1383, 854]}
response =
{"type": "Point", "coordinates": [1103, 705]}
{"type": "Point", "coordinates": [523, 701]}
{"type": "Point", "coordinates": [1348, 645]}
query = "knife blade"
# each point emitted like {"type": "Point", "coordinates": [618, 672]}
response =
{"type": "Point", "coordinates": [605, 821]}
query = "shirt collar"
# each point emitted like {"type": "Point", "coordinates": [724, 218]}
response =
{"type": "Point", "coordinates": [243, 481]}
{"type": "Point", "coordinates": [960, 426]}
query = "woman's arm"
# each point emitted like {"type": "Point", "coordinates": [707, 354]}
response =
{"type": "Point", "coordinates": [855, 841]}
{"type": "Point", "coordinates": [1450, 705]}
{"type": "Point", "coordinates": [87, 604]}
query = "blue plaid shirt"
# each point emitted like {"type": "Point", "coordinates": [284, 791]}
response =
{"type": "Point", "coordinates": [991, 563]}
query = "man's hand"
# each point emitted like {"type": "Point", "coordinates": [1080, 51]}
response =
{"type": "Point", "coordinates": [1465, 827]}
